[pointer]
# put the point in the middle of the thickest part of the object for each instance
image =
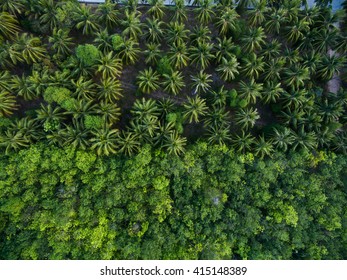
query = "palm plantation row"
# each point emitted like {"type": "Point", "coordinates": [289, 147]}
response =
{"type": "Point", "coordinates": [114, 78]}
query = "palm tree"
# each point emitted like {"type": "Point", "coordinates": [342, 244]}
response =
{"type": "Point", "coordinates": [103, 41]}
{"type": "Point", "coordinates": [49, 116]}
{"type": "Point", "coordinates": [173, 83]}
{"type": "Point", "coordinates": [128, 143]}
{"type": "Point", "coordinates": [256, 16]}
{"type": "Point", "coordinates": [12, 6]}
{"type": "Point", "coordinates": [293, 117]}
{"type": "Point", "coordinates": [8, 25]}
{"type": "Point", "coordinates": [297, 31]}
{"type": "Point", "coordinates": [156, 8]}
{"type": "Point", "coordinates": [129, 52]}
{"type": "Point", "coordinates": [7, 103]}
{"type": "Point", "coordinates": [242, 142]}
{"type": "Point", "coordinates": [5, 80]}
{"type": "Point", "coordinates": [201, 55]}
{"type": "Point", "coordinates": [109, 90]}
{"type": "Point", "coordinates": [205, 11]}
{"type": "Point", "coordinates": [164, 132]}
{"type": "Point", "coordinates": [254, 39]}
{"type": "Point", "coordinates": [81, 109]}
{"type": "Point", "coordinates": [180, 14]}
{"type": "Point", "coordinates": [330, 65]}
{"type": "Point", "coordinates": [62, 44]}
{"type": "Point", "coordinates": [218, 134]}
{"type": "Point", "coordinates": [76, 135]}
{"type": "Point", "coordinates": [325, 39]}
{"type": "Point", "coordinates": [263, 147]}
{"type": "Point", "coordinates": [311, 60]}
{"type": "Point", "coordinates": [30, 47]}
{"type": "Point", "coordinates": [84, 89]}
{"type": "Point", "coordinates": [21, 86]}
{"type": "Point", "coordinates": [296, 75]}
{"type": "Point", "coordinates": [152, 53]}
{"type": "Point", "coordinates": [9, 55]}
{"type": "Point", "coordinates": [109, 66]}
{"type": "Point", "coordinates": [86, 20]}
{"type": "Point", "coordinates": [201, 82]}
{"type": "Point", "coordinates": [110, 112]}
{"type": "Point", "coordinates": [166, 106]}
{"type": "Point", "coordinates": [293, 98]}
{"type": "Point", "coordinates": [148, 80]}
{"type": "Point", "coordinates": [227, 21]}
{"type": "Point", "coordinates": [175, 143]}
{"type": "Point", "coordinates": [253, 66]}
{"type": "Point", "coordinates": [194, 108]}
{"type": "Point", "coordinates": [28, 128]}
{"type": "Point", "coordinates": [104, 141]}
{"type": "Point", "coordinates": [247, 117]}
{"type": "Point", "coordinates": [228, 70]}
{"type": "Point", "coordinates": [200, 34]}
{"type": "Point", "coordinates": [178, 55]}
{"type": "Point", "coordinates": [219, 97]}
{"type": "Point", "coordinates": [304, 140]}
{"type": "Point", "coordinates": [154, 30]}
{"type": "Point", "coordinates": [224, 49]}
{"type": "Point", "coordinates": [273, 69]}
{"type": "Point", "coordinates": [217, 116]}
{"type": "Point", "coordinates": [143, 108]}
{"type": "Point", "coordinates": [272, 50]}
{"type": "Point", "coordinates": [250, 91]}
{"type": "Point", "coordinates": [176, 33]}
{"type": "Point", "coordinates": [132, 25]}
{"type": "Point", "coordinates": [108, 14]}
{"type": "Point", "coordinates": [271, 92]}
{"type": "Point", "coordinates": [282, 138]}
{"type": "Point", "coordinates": [274, 21]}
{"type": "Point", "coordinates": [330, 110]}
{"type": "Point", "coordinates": [13, 140]}
{"type": "Point", "coordinates": [49, 17]}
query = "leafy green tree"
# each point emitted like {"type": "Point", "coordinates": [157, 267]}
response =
{"type": "Point", "coordinates": [194, 108]}
{"type": "Point", "coordinates": [148, 80]}
{"type": "Point", "coordinates": [88, 54]}
{"type": "Point", "coordinates": [173, 83]}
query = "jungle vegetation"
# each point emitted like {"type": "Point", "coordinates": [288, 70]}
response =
{"type": "Point", "coordinates": [209, 131]}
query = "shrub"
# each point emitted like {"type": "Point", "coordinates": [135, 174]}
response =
{"type": "Point", "coordinates": [56, 94]}
{"type": "Point", "coordinates": [117, 42]}
{"type": "Point", "coordinates": [91, 122]}
{"type": "Point", "coordinates": [164, 66]}
{"type": "Point", "coordinates": [88, 54]}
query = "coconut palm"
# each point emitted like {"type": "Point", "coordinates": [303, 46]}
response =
{"type": "Point", "coordinates": [85, 19]}
{"type": "Point", "coordinates": [109, 90]}
{"type": "Point", "coordinates": [194, 108]}
{"type": "Point", "coordinates": [218, 134]}
{"type": "Point", "coordinates": [217, 116]}
{"type": "Point", "coordinates": [110, 112]}
{"type": "Point", "coordinates": [205, 11]}
{"type": "Point", "coordinates": [178, 55]}
{"type": "Point", "coordinates": [296, 76]}
{"type": "Point", "coordinates": [132, 25]}
{"type": "Point", "coordinates": [247, 117]}
{"type": "Point", "coordinates": [306, 43]}
{"type": "Point", "coordinates": [271, 92]}
{"type": "Point", "coordinates": [62, 44]}
{"type": "Point", "coordinates": [109, 66]}
{"type": "Point", "coordinates": [263, 147]}
{"type": "Point", "coordinates": [311, 60]}
{"type": "Point", "coordinates": [224, 49]}
{"type": "Point", "coordinates": [180, 14]}
{"type": "Point", "coordinates": [156, 8]}
{"type": "Point", "coordinates": [166, 106]}
{"type": "Point", "coordinates": [254, 39]}
{"type": "Point", "coordinates": [340, 143]}
{"type": "Point", "coordinates": [108, 14]}
{"type": "Point", "coordinates": [304, 140]}
{"type": "Point", "coordinates": [128, 143]}
{"type": "Point", "coordinates": [227, 20]}
{"type": "Point", "coordinates": [13, 140]}
{"type": "Point", "coordinates": [164, 131]}
{"type": "Point", "coordinates": [103, 41]}
{"type": "Point", "coordinates": [76, 135]}
{"type": "Point", "coordinates": [152, 53]}
{"type": "Point", "coordinates": [12, 6]}
{"type": "Point", "coordinates": [200, 34]}
{"type": "Point", "coordinates": [175, 143]}
{"type": "Point", "coordinates": [292, 56]}
{"type": "Point", "coordinates": [9, 25]}
{"type": "Point", "coordinates": [282, 138]}
{"type": "Point", "coordinates": [154, 31]}
{"type": "Point", "coordinates": [21, 86]}
{"type": "Point", "coordinates": [201, 82]}
{"type": "Point", "coordinates": [148, 80]}
{"type": "Point", "coordinates": [202, 55]}
{"type": "Point", "coordinates": [250, 91]}
{"type": "Point", "coordinates": [104, 141]}
{"type": "Point", "coordinates": [7, 103]}
{"type": "Point", "coordinates": [30, 47]}
{"type": "Point", "coordinates": [228, 70]}
{"type": "Point", "coordinates": [325, 39]}
{"type": "Point", "coordinates": [84, 89]}
{"type": "Point", "coordinates": [253, 66]}
{"type": "Point", "coordinates": [176, 33]}
{"type": "Point", "coordinates": [143, 108]}
{"type": "Point", "coordinates": [173, 82]}
{"type": "Point", "coordinates": [242, 142]}
{"type": "Point", "coordinates": [330, 65]}
{"type": "Point", "coordinates": [129, 52]}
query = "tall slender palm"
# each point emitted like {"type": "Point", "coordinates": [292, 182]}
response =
{"type": "Point", "coordinates": [304, 140]}
{"type": "Point", "coordinates": [62, 44]}
{"type": "Point", "coordinates": [274, 21]}
{"type": "Point", "coordinates": [194, 108]}
{"type": "Point", "coordinates": [175, 143]}
{"type": "Point", "coordinates": [201, 82]}
{"type": "Point", "coordinates": [156, 9]}
{"type": "Point", "coordinates": [325, 39]}
{"type": "Point", "coordinates": [166, 106]}
{"type": "Point", "coordinates": [219, 97]}
{"type": "Point", "coordinates": [104, 141]}
{"type": "Point", "coordinates": [311, 60]}
{"type": "Point", "coordinates": [108, 14]}
{"type": "Point", "coordinates": [254, 39]}
{"type": "Point", "coordinates": [30, 129]}
{"type": "Point", "coordinates": [152, 53]}
{"type": "Point", "coordinates": [202, 55]}
{"type": "Point", "coordinates": [49, 17]}
{"type": "Point", "coordinates": [253, 66]}
{"type": "Point", "coordinates": [297, 31]}
{"type": "Point", "coordinates": [330, 110]}
{"type": "Point", "coordinates": [293, 98]}
{"type": "Point", "coordinates": [85, 19]}
{"type": "Point", "coordinates": [217, 116]}
{"type": "Point", "coordinates": [200, 34]}
{"type": "Point", "coordinates": [110, 112]}
{"type": "Point", "coordinates": [143, 108]}
{"type": "Point", "coordinates": [7, 103]}
{"type": "Point", "coordinates": [81, 109]}
{"type": "Point", "coordinates": [242, 142]}
{"type": "Point", "coordinates": [109, 90]}
{"type": "Point", "coordinates": [148, 80]}
{"type": "Point", "coordinates": [273, 69]}
{"type": "Point", "coordinates": [109, 66]}
{"type": "Point", "coordinates": [5, 80]}
{"type": "Point", "coordinates": [293, 117]}
{"type": "Point", "coordinates": [178, 55]}
{"type": "Point", "coordinates": [224, 49]}
{"type": "Point", "coordinates": [256, 16]}
{"type": "Point", "coordinates": [296, 76]}
{"type": "Point", "coordinates": [247, 117]}
{"type": "Point", "coordinates": [9, 55]}
{"type": "Point", "coordinates": [228, 70]}
{"type": "Point", "coordinates": [9, 25]}
{"type": "Point", "coordinates": [227, 20]}
{"type": "Point", "coordinates": [250, 91]}
{"type": "Point", "coordinates": [173, 83]}
{"type": "Point", "coordinates": [49, 114]}
{"type": "Point", "coordinates": [132, 25]}
{"type": "Point", "coordinates": [330, 65]}
{"type": "Point", "coordinates": [272, 50]}
{"type": "Point", "coordinates": [271, 92]}
{"type": "Point", "coordinates": [12, 6]}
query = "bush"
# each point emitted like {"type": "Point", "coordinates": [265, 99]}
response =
{"type": "Point", "coordinates": [243, 103]}
{"type": "Point", "coordinates": [91, 122]}
{"type": "Point", "coordinates": [117, 42]}
{"type": "Point", "coordinates": [87, 54]}
{"type": "Point", "coordinates": [164, 66]}
{"type": "Point", "coordinates": [56, 94]}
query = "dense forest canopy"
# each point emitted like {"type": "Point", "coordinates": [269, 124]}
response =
{"type": "Point", "coordinates": [134, 131]}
